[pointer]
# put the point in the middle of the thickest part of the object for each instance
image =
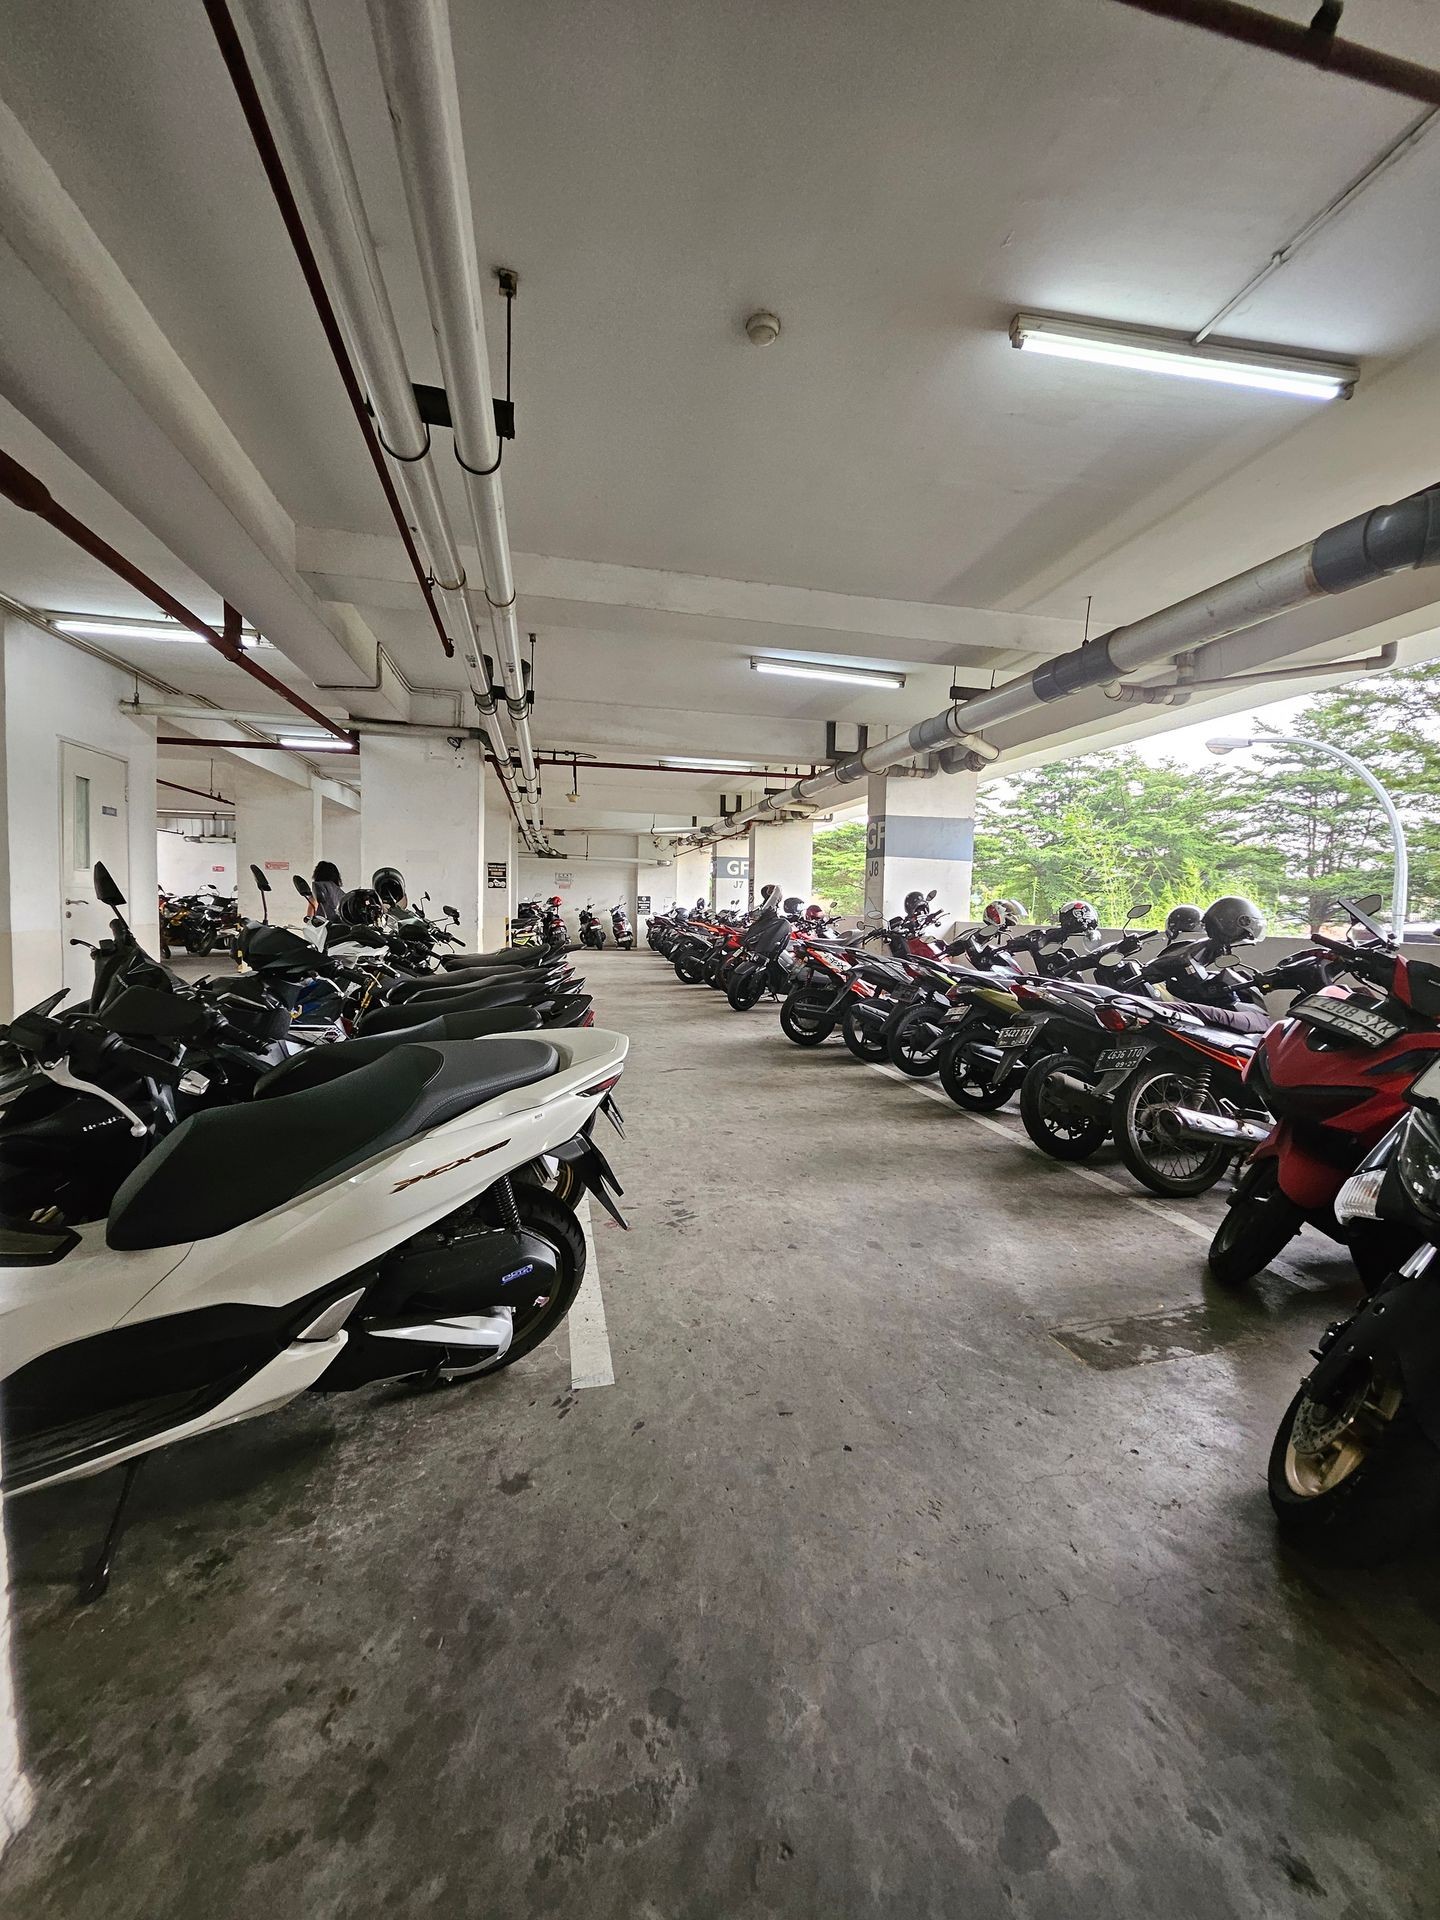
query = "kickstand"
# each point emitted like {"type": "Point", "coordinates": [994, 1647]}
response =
{"type": "Point", "coordinates": [95, 1581]}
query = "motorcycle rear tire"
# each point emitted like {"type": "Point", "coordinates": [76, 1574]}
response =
{"type": "Point", "coordinates": [793, 1018]}
{"type": "Point", "coordinates": [918, 1061]}
{"type": "Point", "coordinates": [1372, 1513]}
{"type": "Point", "coordinates": [553, 1219]}
{"type": "Point", "coordinates": [689, 969]}
{"type": "Point", "coordinates": [1063, 1137]}
{"type": "Point", "coordinates": [1131, 1104]}
{"type": "Point", "coordinates": [861, 1044]}
{"type": "Point", "coordinates": [964, 1088]}
{"type": "Point", "coordinates": [1259, 1223]}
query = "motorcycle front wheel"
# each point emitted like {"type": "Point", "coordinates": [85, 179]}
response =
{"type": "Point", "coordinates": [863, 1044]}
{"type": "Point", "coordinates": [1259, 1223]}
{"type": "Point", "coordinates": [1171, 1167]}
{"type": "Point", "coordinates": [966, 1085]}
{"type": "Point", "coordinates": [689, 968]}
{"type": "Point", "coordinates": [806, 1025]}
{"type": "Point", "coordinates": [1357, 1479]}
{"type": "Point", "coordinates": [744, 988]}
{"type": "Point", "coordinates": [1057, 1126]}
{"type": "Point", "coordinates": [913, 1043]}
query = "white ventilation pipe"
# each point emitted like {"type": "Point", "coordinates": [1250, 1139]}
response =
{"type": "Point", "coordinates": [287, 50]}
{"type": "Point", "coordinates": [417, 70]}
{"type": "Point", "coordinates": [1213, 627]}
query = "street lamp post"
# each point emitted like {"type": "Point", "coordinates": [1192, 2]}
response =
{"type": "Point", "coordinates": [1400, 892]}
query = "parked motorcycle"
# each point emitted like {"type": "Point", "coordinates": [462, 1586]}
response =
{"type": "Point", "coordinates": [592, 933]}
{"type": "Point", "coordinates": [620, 929]}
{"type": "Point", "coordinates": [1354, 1471]}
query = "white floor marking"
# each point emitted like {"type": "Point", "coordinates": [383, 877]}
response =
{"type": "Point", "coordinates": [590, 1361]}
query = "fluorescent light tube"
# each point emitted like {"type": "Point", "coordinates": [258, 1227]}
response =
{"type": "Point", "coordinates": [1142, 351]}
{"type": "Point", "coordinates": [806, 670]}
{"type": "Point", "coordinates": [315, 742]}
{"type": "Point", "coordinates": [708, 760]}
{"type": "Point", "coordinates": [95, 628]}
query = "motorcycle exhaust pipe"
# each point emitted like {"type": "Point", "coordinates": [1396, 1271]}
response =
{"type": "Point", "coordinates": [1189, 1127]}
{"type": "Point", "coordinates": [1080, 1093]}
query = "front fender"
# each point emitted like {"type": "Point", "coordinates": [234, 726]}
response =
{"type": "Point", "coordinates": [1398, 1331]}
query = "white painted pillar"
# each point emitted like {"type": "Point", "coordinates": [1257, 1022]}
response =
{"type": "Point", "coordinates": [921, 835]}
{"type": "Point", "coordinates": [278, 829]}
{"type": "Point", "coordinates": [692, 877]}
{"type": "Point", "coordinates": [730, 875]}
{"type": "Point", "coordinates": [340, 839]}
{"type": "Point", "coordinates": [423, 811]}
{"type": "Point", "coordinates": [502, 861]}
{"type": "Point", "coordinates": [782, 853]}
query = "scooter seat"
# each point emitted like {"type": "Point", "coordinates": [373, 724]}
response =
{"type": "Point", "coordinates": [394, 1019]}
{"type": "Point", "coordinates": [1229, 1022]}
{"type": "Point", "coordinates": [316, 1066]}
{"type": "Point", "coordinates": [480, 979]}
{"type": "Point", "coordinates": [228, 1165]}
{"type": "Point", "coordinates": [502, 957]}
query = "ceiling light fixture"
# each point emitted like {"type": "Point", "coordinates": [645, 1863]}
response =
{"type": "Point", "coordinates": [1141, 350]}
{"type": "Point", "coordinates": [806, 670]}
{"type": "Point", "coordinates": [316, 743]}
{"type": "Point", "coordinates": [92, 627]}
{"type": "Point", "coordinates": [709, 760]}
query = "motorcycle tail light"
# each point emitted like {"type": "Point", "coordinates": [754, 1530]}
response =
{"type": "Point", "coordinates": [600, 1086]}
{"type": "Point", "coordinates": [1359, 1198]}
{"type": "Point", "coordinates": [1113, 1020]}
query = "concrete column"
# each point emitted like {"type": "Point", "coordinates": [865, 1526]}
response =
{"type": "Point", "coordinates": [692, 876]}
{"type": "Point", "coordinates": [423, 811]}
{"type": "Point", "coordinates": [730, 875]}
{"type": "Point", "coordinates": [340, 840]}
{"type": "Point", "coordinates": [921, 835]}
{"type": "Point", "coordinates": [278, 829]}
{"type": "Point", "coordinates": [501, 851]}
{"type": "Point", "coordinates": [782, 853]}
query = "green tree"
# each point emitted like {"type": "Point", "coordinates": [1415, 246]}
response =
{"type": "Point", "coordinates": [839, 865]}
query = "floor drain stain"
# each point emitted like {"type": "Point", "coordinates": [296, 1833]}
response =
{"type": "Point", "coordinates": [1172, 1333]}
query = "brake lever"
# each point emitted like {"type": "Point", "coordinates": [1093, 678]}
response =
{"type": "Point", "coordinates": [60, 1073]}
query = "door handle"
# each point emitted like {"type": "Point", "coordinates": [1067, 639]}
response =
{"type": "Point", "coordinates": [77, 903]}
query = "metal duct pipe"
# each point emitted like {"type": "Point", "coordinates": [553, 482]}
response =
{"type": "Point", "coordinates": [1213, 625]}
{"type": "Point", "coordinates": [417, 69]}
{"type": "Point", "coordinates": [288, 50]}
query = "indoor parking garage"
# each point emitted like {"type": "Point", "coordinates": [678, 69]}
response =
{"type": "Point", "coordinates": [719, 959]}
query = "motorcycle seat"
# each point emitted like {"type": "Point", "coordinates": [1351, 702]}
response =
{"type": "Point", "coordinates": [1228, 1021]}
{"type": "Point", "coordinates": [502, 957]}
{"type": "Point", "coordinates": [477, 979]}
{"type": "Point", "coordinates": [552, 1010]}
{"type": "Point", "coordinates": [316, 1066]}
{"type": "Point", "coordinates": [227, 1165]}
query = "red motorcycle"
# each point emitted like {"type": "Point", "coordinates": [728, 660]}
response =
{"type": "Point", "coordinates": [1334, 1073]}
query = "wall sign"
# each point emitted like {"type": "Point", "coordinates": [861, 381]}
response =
{"type": "Point", "coordinates": [496, 873]}
{"type": "Point", "coordinates": [277, 866]}
{"type": "Point", "coordinates": [731, 866]}
{"type": "Point", "coordinates": [114, 812]}
{"type": "Point", "coordinates": [642, 903]}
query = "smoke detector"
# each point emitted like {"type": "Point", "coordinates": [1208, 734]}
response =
{"type": "Point", "coordinates": [761, 328]}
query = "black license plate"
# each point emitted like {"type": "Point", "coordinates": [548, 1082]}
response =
{"type": "Point", "coordinates": [1014, 1036]}
{"type": "Point", "coordinates": [1116, 1057]}
{"type": "Point", "coordinates": [1365, 1024]}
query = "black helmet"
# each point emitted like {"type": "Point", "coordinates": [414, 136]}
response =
{"type": "Point", "coordinates": [1184, 923]}
{"type": "Point", "coordinates": [793, 905]}
{"type": "Point", "coordinates": [1234, 921]}
{"type": "Point", "coordinates": [1003, 913]}
{"type": "Point", "coordinates": [360, 907]}
{"type": "Point", "coordinates": [389, 883]}
{"type": "Point", "coordinates": [915, 903]}
{"type": "Point", "coordinates": [1077, 916]}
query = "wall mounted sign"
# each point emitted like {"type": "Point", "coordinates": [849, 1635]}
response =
{"type": "Point", "coordinates": [495, 873]}
{"type": "Point", "coordinates": [642, 903]}
{"type": "Point", "coordinates": [114, 812]}
{"type": "Point", "coordinates": [277, 866]}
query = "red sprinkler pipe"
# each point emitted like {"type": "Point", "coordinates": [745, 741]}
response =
{"type": "Point", "coordinates": [28, 492]}
{"type": "Point", "coordinates": [233, 54]}
{"type": "Point", "coordinates": [1316, 46]}
{"type": "Point", "coordinates": [754, 775]}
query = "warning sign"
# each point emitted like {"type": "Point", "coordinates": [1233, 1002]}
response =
{"type": "Point", "coordinates": [496, 874]}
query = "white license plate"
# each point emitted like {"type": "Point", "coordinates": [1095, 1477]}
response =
{"type": "Point", "coordinates": [1014, 1036]}
{"type": "Point", "coordinates": [1364, 1024]}
{"type": "Point", "coordinates": [1115, 1057]}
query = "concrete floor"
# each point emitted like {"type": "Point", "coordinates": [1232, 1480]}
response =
{"type": "Point", "coordinates": [918, 1564]}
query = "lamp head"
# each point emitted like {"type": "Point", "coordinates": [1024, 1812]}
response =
{"type": "Point", "coordinates": [1229, 742]}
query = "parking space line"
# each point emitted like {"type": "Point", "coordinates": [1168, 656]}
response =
{"type": "Point", "coordinates": [591, 1364]}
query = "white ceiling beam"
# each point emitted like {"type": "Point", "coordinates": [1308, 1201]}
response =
{"type": "Point", "coordinates": [596, 596]}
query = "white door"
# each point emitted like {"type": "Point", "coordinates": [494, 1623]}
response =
{"type": "Point", "coordinates": [94, 825]}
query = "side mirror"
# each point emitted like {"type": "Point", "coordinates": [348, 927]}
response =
{"type": "Point", "coordinates": [261, 882]}
{"type": "Point", "coordinates": [1370, 902]}
{"type": "Point", "coordinates": [932, 893]}
{"type": "Point", "coordinates": [1138, 911]}
{"type": "Point", "coordinates": [106, 891]}
{"type": "Point", "coordinates": [302, 886]}
{"type": "Point", "coordinates": [453, 913]}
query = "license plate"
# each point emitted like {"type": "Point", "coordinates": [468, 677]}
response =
{"type": "Point", "coordinates": [1115, 1057]}
{"type": "Point", "coordinates": [1365, 1024]}
{"type": "Point", "coordinates": [1014, 1036]}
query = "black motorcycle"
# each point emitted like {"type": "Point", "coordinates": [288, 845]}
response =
{"type": "Point", "coordinates": [592, 934]}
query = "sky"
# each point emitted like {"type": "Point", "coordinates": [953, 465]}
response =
{"type": "Point", "coordinates": [1187, 744]}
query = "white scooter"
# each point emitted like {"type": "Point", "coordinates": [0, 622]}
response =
{"type": "Point", "coordinates": [355, 1221]}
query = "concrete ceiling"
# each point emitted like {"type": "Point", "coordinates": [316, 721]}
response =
{"type": "Point", "coordinates": [888, 483]}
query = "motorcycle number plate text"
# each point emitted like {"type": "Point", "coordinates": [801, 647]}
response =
{"type": "Point", "coordinates": [1121, 1057]}
{"type": "Point", "coordinates": [1372, 1029]}
{"type": "Point", "coordinates": [1014, 1036]}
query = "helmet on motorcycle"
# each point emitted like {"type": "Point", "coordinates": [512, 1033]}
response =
{"type": "Point", "coordinates": [360, 907]}
{"type": "Point", "coordinates": [792, 904]}
{"type": "Point", "coordinates": [1184, 923]}
{"type": "Point", "coordinates": [1234, 921]}
{"type": "Point", "coordinates": [814, 913]}
{"type": "Point", "coordinates": [1077, 916]}
{"type": "Point", "coordinates": [1003, 913]}
{"type": "Point", "coordinates": [556, 901]}
{"type": "Point", "coordinates": [915, 903]}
